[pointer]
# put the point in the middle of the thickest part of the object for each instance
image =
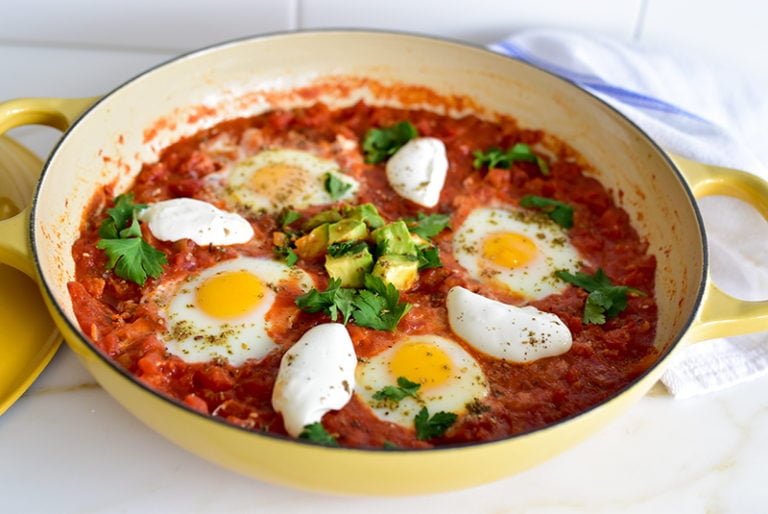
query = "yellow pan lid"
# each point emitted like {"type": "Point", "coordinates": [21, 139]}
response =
{"type": "Point", "coordinates": [28, 336]}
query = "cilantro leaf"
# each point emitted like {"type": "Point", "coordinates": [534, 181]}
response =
{"type": "Point", "coordinates": [335, 186]}
{"type": "Point", "coordinates": [119, 216]}
{"type": "Point", "coordinates": [287, 253]}
{"type": "Point", "coordinates": [133, 258]}
{"type": "Point", "coordinates": [396, 393]}
{"type": "Point", "coordinates": [429, 257]}
{"type": "Point", "coordinates": [559, 212]}
{"type": "Point", "coordinates": [378, 305]}
{"type": "Point", "coordinates": [428, 226]}
{"type": "Point", "coordinates": [380, 144]}
{"type": "Point", "coordinates": [498, 158]}
{"type": "Point", "coordinates": [346, 247]}
{"type": "Point", "coordinates": [317, 433]}
{"type": "Point", "coordinates": [605, 300]}
{"type": "Point", "coordinates": [127, 252]}
{"type": "Point", "coordinates": [332, 301]}
{"type": "Point", "coordinates": [428, 427]}
{"type": "Point", "coordinates": [289, 216]}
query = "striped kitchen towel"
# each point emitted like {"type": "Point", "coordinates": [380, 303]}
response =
{"type": "Point", "coordinates": [702, 110]}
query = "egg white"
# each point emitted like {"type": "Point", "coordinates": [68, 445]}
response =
{"type": "Point", "coordinates": [197, 336]}
{"type": "Point", "coordinates": [533, 280]}
{"type": "Point", "coordinates": [464, 384]}
{"type": "Point", "coordinates": [276, 179]}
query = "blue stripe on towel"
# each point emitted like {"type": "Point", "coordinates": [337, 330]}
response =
{"type": "Point", "coordinates": [595, 83]}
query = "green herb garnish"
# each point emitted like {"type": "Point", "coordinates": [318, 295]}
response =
{"type": "Point", "coordinates": [346, 247]}
{"type": "Point", "coordinates": [131, 257]}
{"type": "Point", "coordinates": [605, 300]}
{"type": "Point", "coordinates": [429, 257]}
{"type": "Point", "coordinates": [289, 216]}
{"type": "Point", "coordinates": [428, 427]}
{"type": "Point", "coordinates": [376, 306]}
{"type": "Point", "coordinates": [380, 144]}
{"type": "Point", "coordinates": [396, 393]}
{"type": "Point", "coordinates": [498, 158]}
{"type": "Point", "coordinates": [335, 186]}
{"type": "Point", "coordinates": [317, 433]}
{"type": "Point", "coordinates": [559, 212]}
{"type": "Point", "coordinates": [428, 225]}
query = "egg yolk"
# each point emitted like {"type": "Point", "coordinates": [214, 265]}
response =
{"type": "Point", "coordinates": [422, 363]}
{"type": "Point", "coordinates": [230, 294]}
{"type": "Point", "coordinates": [509, 249]}
{"type": "Point", "coordinates": [282, 182]}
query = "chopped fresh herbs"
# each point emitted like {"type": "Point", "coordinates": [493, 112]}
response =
{"type": "Point", "coordinates": [605, 300]}
{"type": "Point", "coordinates": [498, 158]}
{"type": "Point", "coordinates": [335, 186]}
{"type": "Point", "coordinates": [346, 247]}
{"type": "Point", "coordinates": [561, 213]}
{"type": "Point", "coordinates": [429, 257]}
{"type": "Point", "coordinates": [428, 427]}
{"type": "Point", "coordinates": [287, 254]}
{"type": "Point", "coordinates": [428, 225]}
{"type": "Point", "coordinates": [131, 257]}
{"type": "Point", "coordinates": [396, 393]}
{"type": "Point", "coordinates": [289, 216]}
{"type": "Point", "coordinates": [317, 433]}
{"type": "Point", "coordinates": [388, 445]}
{"type": "Point", "coordinates": [380, 144]}
{"type": "Point", "coordinates": [376, 306]}
{"type": "Point", "coordinates": [332, 301]}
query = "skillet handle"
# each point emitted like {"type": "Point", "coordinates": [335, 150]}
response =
{"type": "Point", "coordinates": [721, 314]}
{"type": "Point", "coordinates": [60, 113]}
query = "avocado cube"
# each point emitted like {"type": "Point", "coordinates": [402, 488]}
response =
{"type": "Point", "coordinates": [329, 216]}
{"type": "Point", "coordinates": [313, 245]}
{"type": "Point", "coordinates": [347, 230]}
{"type": "Point", "coordinates": [366, 213]}
{"type": "Point", "coordinates": [401, 271]}
{"type": "Point", "coordinates": [350, 268]}
{"type": "Point", "coordinates": [394, 238]}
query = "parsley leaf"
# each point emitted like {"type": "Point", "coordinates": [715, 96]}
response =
{"type": "Point", "coordinates": [428, 226]}
{"type": "Point", "coordinates": [332, 301]}
{"type": "Point", "coordinates": [605, 300]}
{"type": "Point", "coordinates": [561, 213]}
{"type": "Point", "coordinates": [133, 258]}
{"type": "Point", "coordinates": [335, 186]}
{"type": "Point", "coordinates": [127, 252]}
{"type": "Point", "coordinates": [120, 215]}
{"type": "Point", "coordinates": [317, 433]}
{"type": "Point", "coordinates": [396, 393]}
{"type": "Point", "coordinates": [380, 144]}
{"type": "Point", "coordinates": [428, 427]}
{"type": "Point", "coordinates": [288, 216]}
{"type": "Point", "coordinates": [346, 247]}
{"type": "Point", "coordinates": [429, 257]}
{"type": "Point", "coordinates": [287, 253]}
{"type": "Point", "coordinates": [498, 158]}
{"type": "Point", "coordinates": [378, 305]}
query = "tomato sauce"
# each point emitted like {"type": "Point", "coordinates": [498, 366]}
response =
{"type": "Point", "coordinates": [523, 397]}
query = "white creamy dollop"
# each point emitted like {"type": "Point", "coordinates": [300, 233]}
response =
{"type": "Point", "coordinates": [203, 223]}
{"type": "Point", "coordinates": [518, 334]}
{"type": "Point", "coordinates": [316, 375]}
{"type": "Point", "coordinates": [417, 171]}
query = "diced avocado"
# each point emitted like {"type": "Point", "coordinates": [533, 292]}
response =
{"type": "Point", "coordinates": [366, 213]}
{"type": "Point", "coordinates": [401, 271]}
{"type": "Point", "coordinates": [347, 230]}
{"type": "Point", "coordinates": [329, 216]}
{"type": "Point", "coordinates": [313, 245]}
{"type": "Point", "coordinates": [394, 238]}
{"type": "Point", "coordinates": [350, 268]}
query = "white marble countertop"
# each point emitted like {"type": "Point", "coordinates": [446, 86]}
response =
{"type": "Point", "coordinates": [67, 447]}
